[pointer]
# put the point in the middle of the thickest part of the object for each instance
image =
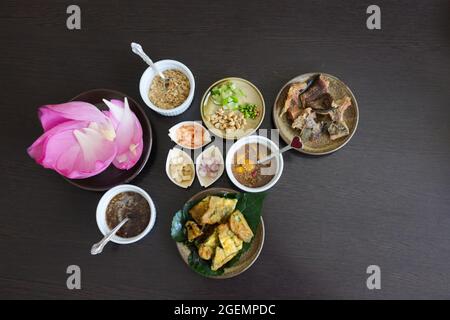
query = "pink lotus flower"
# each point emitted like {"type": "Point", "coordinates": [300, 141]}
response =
{"type": "Point", "coordinates": [129, 133]}
{"type": "Point", "coordinates": [80, 141]}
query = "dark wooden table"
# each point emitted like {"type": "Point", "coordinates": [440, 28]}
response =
{"type": "Point", "coordinates": [382, 200]}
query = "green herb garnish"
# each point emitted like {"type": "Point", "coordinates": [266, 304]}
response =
{"type": "Point", "coordinates": [227, 95]}
{"type": "Point", "coordinates": [249, 110]}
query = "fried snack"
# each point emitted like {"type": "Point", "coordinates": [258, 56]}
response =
{"type": "Point", "coordinates": [199, 210]}
{"type": "Point", "coordinates": [230, 246]}
{"type": "Point", "coordinates": [229, 241]}
{"type": "Point", "coordinates": [224, 228]}
{"type": "Point", "coordinates": [221, 259]}
{"type": "Point", "coordinates": [218, 209]}
{"type": "Point", "coordinates": [240, 227]}
{"type": "Point", "coordinates": [206, 249]}
{"type": "Point", "coordinates": [193, 231]}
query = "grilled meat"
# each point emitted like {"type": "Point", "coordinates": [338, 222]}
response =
{"type": "Point", "coordinates": [291, 105]}
{"type": "Point", "coordinates": [317, 91]}
{"type": "Point", "coordinates": [338, 129]}
{"type": "Point", "coordinates": [339, 107]}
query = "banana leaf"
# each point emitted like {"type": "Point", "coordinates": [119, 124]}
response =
{"type": "Point", "coordinates": [250, 204]}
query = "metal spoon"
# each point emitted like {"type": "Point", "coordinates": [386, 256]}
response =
{"type": "Point", "coordinates": [296, 143]}
{"type": "Point", "coordinates": [98, 247]}
{"type": "Point", "coordinates": [137, 49]}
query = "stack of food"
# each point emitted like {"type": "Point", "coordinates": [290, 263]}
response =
{"type": "Point", "coordinates": [218, 229]}
{"type": "Point", "coordinates": [226, 227]}
{"type": "Point", "coordinates": [314, 111]}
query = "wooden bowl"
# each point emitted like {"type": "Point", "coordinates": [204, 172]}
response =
{"type": "Point", "coordinates": [112, 176]}
{"type": "Point", "coordinates": [247, 259]}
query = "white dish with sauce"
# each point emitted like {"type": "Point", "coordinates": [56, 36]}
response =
{"type": "Point", "coordinates": [254, 140]}
{"type": "Point", "coordinates": [103, 205]}
{"type": "Point", "coordinates": [146, 81]}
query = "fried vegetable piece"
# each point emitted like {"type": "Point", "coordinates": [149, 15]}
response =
{"type": "Point", "coordinates": [193, 231]}
{"type": "Point", "coordinates": [206, 249]}
{"type": "Point", "coordinates": [220, 259]}
{"type": "Point", "coordinates": [199, 210]}
{"type": "Point", "coordinates": [231, 245]}
{"type": "Point", "coordinates": [229, 241]}
{"type": "Point", "coordinates": [240, 227]}
{"type": "Point", "coordinates": [205, 252]}
{"type": "Point", "coordinates": [218, 209]}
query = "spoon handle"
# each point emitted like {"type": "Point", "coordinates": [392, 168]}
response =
{"type": "Point", "coordinates": [98, 247]}
{"type": "Point", "coordinates": [273, 155]}
{"type": "Point", "coordinates": [137, 49]}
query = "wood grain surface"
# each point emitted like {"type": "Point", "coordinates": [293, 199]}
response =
{"type": "Point", "coordinates": [383, 199]}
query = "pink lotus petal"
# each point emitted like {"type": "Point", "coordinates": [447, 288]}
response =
{"type": "Point", "coordinates": [75, 149]}
{"type": "Point", "coordinates": [128, 134]}
{"type": "Point", "coordinates": [80, 153]}
{"type": "Point", "coordinates": [52, 115]}
{"type": "Point", "coordinates": [116, 108]}
{"type": "Point", "coordinates": [113, 120]}
{"type": "Point", "coordinates": [106, 128]}
{"type": "Point", "coordinates": [37, 149]}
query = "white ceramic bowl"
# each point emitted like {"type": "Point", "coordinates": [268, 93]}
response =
{"type": "Point", "coordinates": [173, 133]}
{"type": "Point", "coordinates": [103, 204]}
{"type": "Point", "coordinates": [260, 140]}
{"type": "Point", "coordinates": [146, 81]}
{"type": "Point", "coordinates": [176, 152]}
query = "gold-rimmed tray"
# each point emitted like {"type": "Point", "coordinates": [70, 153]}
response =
{"type": "Point", "coordinates": [252, 95]}
{"type": "Point", "coordinates": [323, 145]}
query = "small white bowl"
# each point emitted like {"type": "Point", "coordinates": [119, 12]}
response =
{"type": "Point", "coordinates": [173, 134]}
{"type": "Point", "coordinates": [176, 152]}
{"type": "Point", "coordinates": [103, 204]}
{"type": "Point", "coordinates": [146, 81]}
{"type": "Point", "coordinates": [207, 181]}
{"type": "Point", "coordinates": [260, 140]}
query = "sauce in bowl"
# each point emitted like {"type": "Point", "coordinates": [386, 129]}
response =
{"type": "Point", "coordinates": [124, 204]}
{"type": "Point", "coordinates": [245, 169]}
{"type": "Point", "coordinates": [172, 94]}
